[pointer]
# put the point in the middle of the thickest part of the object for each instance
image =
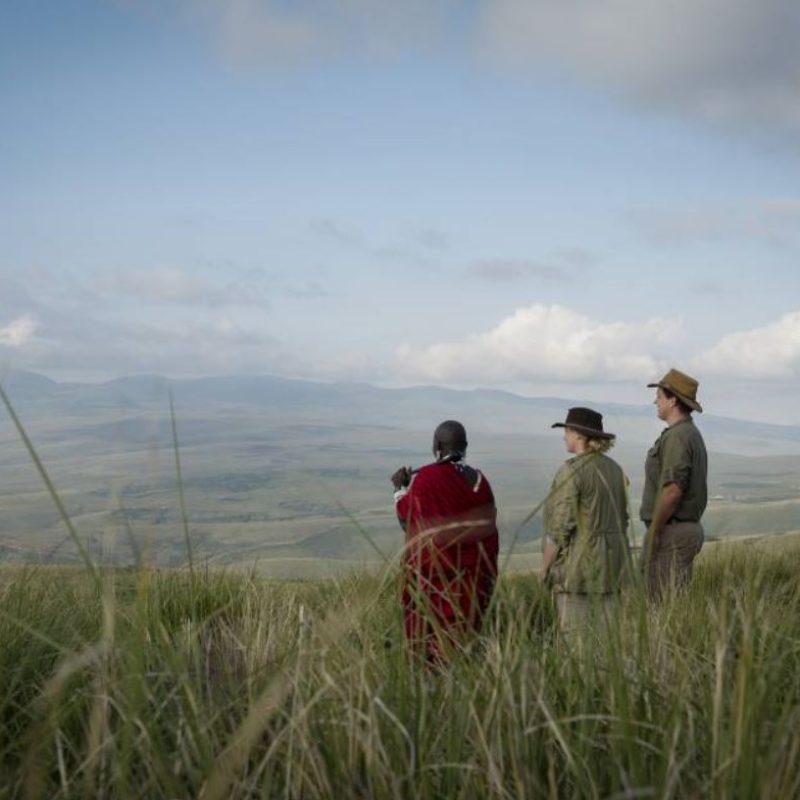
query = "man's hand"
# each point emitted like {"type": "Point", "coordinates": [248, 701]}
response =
{"type": "Point", "coordinates": [666, 505]}
{"type": "Point", "coordinates": [549, 553]}
{"type": "Point", "coordinates": [648, 547]}
{"type": "Point", "coordinates": [402, 477]}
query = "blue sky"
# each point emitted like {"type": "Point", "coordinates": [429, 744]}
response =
{"type": "Point", "coordinates": [549, 197]}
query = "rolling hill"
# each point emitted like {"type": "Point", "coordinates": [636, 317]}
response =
{"type": "Point", "coordinates": [294, 474]}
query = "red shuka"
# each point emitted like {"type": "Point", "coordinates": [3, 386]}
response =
{"type": "Point", "coordinates": [450, 558]}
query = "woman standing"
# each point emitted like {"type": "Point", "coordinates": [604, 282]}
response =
{"type": "Point", "coordinates": [586, 550]}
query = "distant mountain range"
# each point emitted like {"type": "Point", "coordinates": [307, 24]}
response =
{"type": "Point", "coordinates": [295, 474]}
{"type": "Point", "coordinates": [415, 408]}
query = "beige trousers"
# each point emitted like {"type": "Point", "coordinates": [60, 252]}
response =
{"type": "Point", "coordinates": [581, 612]}
{"type": "Point", "coordinates": [670, 563]}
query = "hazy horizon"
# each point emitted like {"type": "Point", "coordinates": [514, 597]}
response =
{"type": "Point", "coordinates": [646, 403]}
{"type": "Point", "coordinates": [295, 474]}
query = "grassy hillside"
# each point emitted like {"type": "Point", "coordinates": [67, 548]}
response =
{"type": "Point", "coordinates": [294, 475]}
{"type": "Point", "coordinates": [140, 683]}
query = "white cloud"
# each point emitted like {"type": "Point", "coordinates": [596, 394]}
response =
{"type": "Point", "coordinates": [250, 30]}
{"type": "Point", "coordinates": [547, 343]}
{"type": "Point", "coordinates": [774, 220]}
{"type": "Point", "coordinates": [419, 249]}
{"type": "Point", "coordinates": [728, 62]}
{"type": "Point", "coordinates": [331, 229]}
{"type": "Point", "coordinates": [210, 320]}
{"type": "Point", "coordinates": [769, 352]}
{"type": "Point", "coordinates": [175, 286]}
{"type": "Point", "coordinates": [18, 332]}
{"type": "Point", "coordinates": [510, 270]}
{"type": "Point", "coordinates": [260, 31]}
{"type": "Point", "coordinates": [171, 347]}
{"type": "Point", "coordinates": [725, 61]}
{"type": "Point", "coordinates": [432, 239]}
{"type": "Point", "coordinates": [143, 322]}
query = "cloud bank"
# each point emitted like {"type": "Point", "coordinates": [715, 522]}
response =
{"type": "Point", "coordinates": [173, 321]}
{"type": "Point", "coordinates": [550, 343]}
{"type": "Point", "coordinates": [771, 352]}
{"type": "Point", "coordinates": [18, 332]}
{"type": "Point", "coordinates": [510, 270]}
{"type": "Point", "coordinates": [728, 62]}
{"type": "Point", "coordinates": [86, 326]}
{"type": "Point", "coordinates": [177, 286]}
{"type": "Point", "coordinates": [732, 63]}
{"type": "Point", "coordinates": [773, 220]}
{"type": "Point", "coordinates": [273, 33]}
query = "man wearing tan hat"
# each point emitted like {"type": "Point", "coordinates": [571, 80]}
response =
{"type": "Point", "coordinates": [675, 492]}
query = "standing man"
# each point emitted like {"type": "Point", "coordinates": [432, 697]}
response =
{"type": "Point", "coordinates": [675, 492]}
{"type": "Point", "coordinates": [448, 513]}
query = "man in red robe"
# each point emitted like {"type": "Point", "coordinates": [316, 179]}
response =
{"type": "Point", "coordinates": [448, 512]}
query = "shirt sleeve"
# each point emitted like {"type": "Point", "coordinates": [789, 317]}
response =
{"type": "Point", "coordinates": [400, 494]}
{"type": "Point", "coordinates": [560, 512]}
{"type": "Point", "coordinates": [403, 499]}
{"type": "Point", "coordinates": [676, 462]}
{"type": "Point", "coordinates": [626, 517]}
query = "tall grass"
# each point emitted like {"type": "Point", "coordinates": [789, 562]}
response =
{"type": "Point", "coordinates": [194, 683]}
{"type": "Point", "coordinates": [163, 684]}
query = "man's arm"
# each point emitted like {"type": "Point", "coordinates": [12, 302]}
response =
{"type": "Point", "coordinates": [401, 479]}
{"type": "Point", "coordinates": [666, 505]}
{"type": "Point", "coordinates": [549, 551]}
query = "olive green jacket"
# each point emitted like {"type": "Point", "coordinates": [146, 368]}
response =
{"type": "Point", "coordinates": [586, 517]}
{"type": "Point", "coordinates": [678, 456]}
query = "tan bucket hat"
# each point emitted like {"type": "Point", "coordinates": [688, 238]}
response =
{"type": "Point", "coordinates": [682, 386]}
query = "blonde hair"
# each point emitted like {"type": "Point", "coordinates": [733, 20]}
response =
{"type": "Point", "coordinates": [595, 444]}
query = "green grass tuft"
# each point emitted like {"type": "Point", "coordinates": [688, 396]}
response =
{"type": "Point", "coordinates": [168, 684]}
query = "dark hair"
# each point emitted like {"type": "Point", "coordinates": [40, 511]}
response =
{"type": "Point", "coordinates": [681, 405]}
{"type": "Point", "coordinates": [450, 435]}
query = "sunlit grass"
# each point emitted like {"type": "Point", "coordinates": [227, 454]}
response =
{"type": "Point", "coordinates": [129, 683]}
{"type": "Point", "coordinates": [164, 684]}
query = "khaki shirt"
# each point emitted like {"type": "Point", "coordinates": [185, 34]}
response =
{"type": "Point", "coordinates": [678, 456]}
{"type": "Point", "coordinates": [586, 516]}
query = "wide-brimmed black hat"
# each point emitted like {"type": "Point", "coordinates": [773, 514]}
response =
{"type": "Point", "coordinates": [585, 421]}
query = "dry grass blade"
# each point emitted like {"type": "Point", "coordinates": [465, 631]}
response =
{"type": "Point", "coordinates": [44, 475]}
{"type": "Point", "coordinates": [179, 477]}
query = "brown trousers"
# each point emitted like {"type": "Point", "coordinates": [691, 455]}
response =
{"type": "Point", "coordinates": [670, 562]}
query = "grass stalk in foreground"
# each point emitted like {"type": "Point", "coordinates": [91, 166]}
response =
{"type": "Point", "coordinates": [54, 495]}
{"type": "Point", "coordinates": [187, 539]}
{"type": "Point", "coordinates": [160, 685]}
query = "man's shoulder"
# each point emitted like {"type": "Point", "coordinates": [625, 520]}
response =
{"type": "Point", "coordinates": [684, 431]}
{"type": "Point", "coordinates": [482, 480]}
{"type": "Point", "coordinates": [428, 468]}
{"type": "Point", "coordinates": [428, 472]}
{"type": "Point", "coordinates": [446, 468]}
{"type": "Point", "coordinates": [433, 475]}
{"type": "Point", "coordinates": [680, 431]}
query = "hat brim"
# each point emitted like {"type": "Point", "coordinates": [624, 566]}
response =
{"type": "Point", "coordinates": [693, 404]}
{"type": "Point", "coordinates": [587, 431]}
